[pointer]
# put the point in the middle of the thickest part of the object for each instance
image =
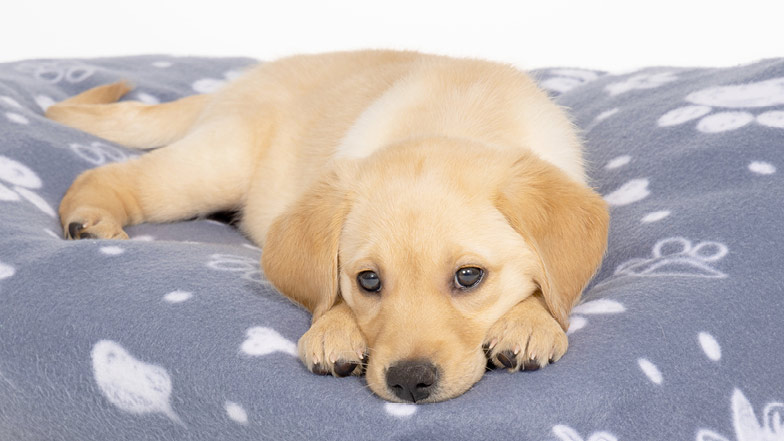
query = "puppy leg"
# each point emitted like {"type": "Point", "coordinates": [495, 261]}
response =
{"type": "Point", "coordinates": [208, 170]}
{"type": "Point", "coordinates": [527, 337]}
{"type": "Point", "coordinates": [334, 344]}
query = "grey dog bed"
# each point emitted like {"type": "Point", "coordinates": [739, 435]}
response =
{"type": "Point", "coordinates": [176, 335]}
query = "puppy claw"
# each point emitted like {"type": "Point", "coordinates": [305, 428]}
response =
{"type": "Point", "coordinates": [318, 369]}
{"type": "Point", "coordinates": [530, 365]}
{"type": "Point", "coordinates": [344, 368]}
{"type": "Point", "coordinates": [73, 229]}
{"type": "Point", "coordinates": [487, 351]}
{"type": "Point", "coordinates": [507, 358]}
{"type": "Point", "coordinates": [76, 231]}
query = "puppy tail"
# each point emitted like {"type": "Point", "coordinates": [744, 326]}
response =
{"type": "Point", "coordinates": [130, 123]}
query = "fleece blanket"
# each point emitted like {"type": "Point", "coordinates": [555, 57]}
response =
{"type": "Point", "coordinates": [176, 335]}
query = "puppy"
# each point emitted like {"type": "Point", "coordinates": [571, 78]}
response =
{"type": "Point", "coordinates": [429, 211]}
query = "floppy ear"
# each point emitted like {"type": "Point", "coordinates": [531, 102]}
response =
{"type": "Point", "coordinates": [565, 223]}
{"type": "Point", "coordinates": [300, 255]}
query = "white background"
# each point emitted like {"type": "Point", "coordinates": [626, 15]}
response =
{"type": "Point", "coordinates": [613, 35]}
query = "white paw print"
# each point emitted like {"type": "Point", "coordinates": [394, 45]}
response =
{"type": "Point", "coordinates": [264, 341]}
{"type": "Point", "coordinates": [743, 96]}
{"type": "Point", "coordinates": [640, 81]}
{"type": "Point", "coordinates": [600, 306]}
{"type": "Point", "coordinates": [400, 410]}
{"type": "Point", "coordinates": [650, 370]}
{"type": "Point", "coordinates": [178, 296]}
{"type": "Point", "coordinates": [14, 108]}
{"type": "Point", "coordinates": [6, 271]}
{"type": "Point", "coordinates": [747, 426]}
{"type": "Point", "coordinates": [655, 216]}
{"type": "Point", "coordinates": [24, 181]}
{"type": "Point", "coordinates": [236, 412]}
{"type": "Point", "coordinates": [565, 80]}
{"type": "Point", "coordinates": [630, 192]}
{"type": "Point", "coordinates": [249, 268]}
{"type": "Point", "coordinates": [98, 153]}
{"type": "Point", "coordinates": [677, 256]}
{"type": "Point", "coordinates": [709, 346]}
{"type": "Point", "coordinates": [147, 98]}
{"type": "Point", "coordinates": [132, 385]}
{"type": "Point", "coordinates": [566, 433]}
{"type": "Point", "coordinates": [56, 71]}
{"type": "Point", "coordinates": [210, 85]}
{"type": "Point", "coordinates": [762, 168]}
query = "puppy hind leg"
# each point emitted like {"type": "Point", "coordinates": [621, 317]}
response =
{"type": "Point", "coordinates": [208, 170]}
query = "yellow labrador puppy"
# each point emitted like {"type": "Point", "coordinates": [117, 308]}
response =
{"type": "Point", "coordinates": [429, 211]}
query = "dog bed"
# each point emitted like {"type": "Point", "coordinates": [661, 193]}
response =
{"type": "Point", "coordinates": [176, 335]}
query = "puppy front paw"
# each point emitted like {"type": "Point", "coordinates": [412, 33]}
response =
{"type": "Point", "coordinates": [527, 337]}
{"type": "Point", "coordinates": [334, 344]}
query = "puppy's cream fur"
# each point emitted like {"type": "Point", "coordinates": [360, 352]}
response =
{"type": "Point", "coordinates": [406, 164]}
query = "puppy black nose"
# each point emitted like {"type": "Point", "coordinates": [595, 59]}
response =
{"type": "Point", "coordinates": [412, 380]}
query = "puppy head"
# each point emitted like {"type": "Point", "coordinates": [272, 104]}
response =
{"type": "Point", "coordinates": [430, 243]}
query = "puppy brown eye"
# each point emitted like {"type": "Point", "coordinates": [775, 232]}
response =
{"type": "Point", "coordinates": [468, 277]}
{"type": "Point", "coordinates": [369, 281]}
